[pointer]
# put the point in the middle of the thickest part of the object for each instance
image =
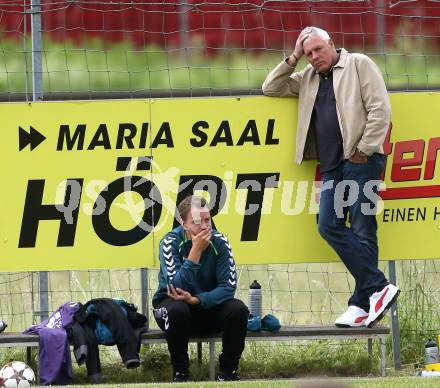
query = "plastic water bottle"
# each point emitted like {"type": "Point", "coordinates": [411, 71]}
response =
{"type": "Point", "coordinates": [431, 352]}
{"type": "Point", "coordinates": [255, 299]}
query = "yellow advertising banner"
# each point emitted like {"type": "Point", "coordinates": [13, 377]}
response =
{"type": "Point", "coordinates": [95, 184]}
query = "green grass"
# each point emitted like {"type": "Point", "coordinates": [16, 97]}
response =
{"type": "Point", "coordinates": [319, 382]}
{"type": "Point", "coordinates": [268, 360]}
{"type": "Point", "coordinates": [95, 66]}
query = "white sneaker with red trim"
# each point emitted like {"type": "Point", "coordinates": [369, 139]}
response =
{"type": "Point", "coordinates": [380, 302]}
{"type": "Point", "coordinates": [353, 317]}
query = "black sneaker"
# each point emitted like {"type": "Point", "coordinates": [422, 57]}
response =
{"type": "Point", "coordinates": [131, 364]}
{"type": "Point", "coordinates": [180, 377]}
{"type": "Point", "coordinates": [228, 376]}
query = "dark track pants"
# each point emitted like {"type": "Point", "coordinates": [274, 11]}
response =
{"type": "Point", "coordinates": [179, 321]}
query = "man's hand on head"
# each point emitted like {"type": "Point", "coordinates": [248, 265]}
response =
{"type": "Point", "coordinates": [179, 294]}
{"type": "Point", "coordinates": [298, 51]}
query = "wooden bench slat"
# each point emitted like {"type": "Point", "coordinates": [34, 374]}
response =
{"type": "Point", "coordinates": [12, 338]}
{"type": "Point", "coordinates": [290, 331]}
{"type": "Point", "coordinates": [287, 331]}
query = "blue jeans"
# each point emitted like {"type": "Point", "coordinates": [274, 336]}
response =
{"type": "Point", "coordinates": [356, 244]}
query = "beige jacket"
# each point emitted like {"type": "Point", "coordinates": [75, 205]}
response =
{"type": "Point", "coordinates": [362, 103]}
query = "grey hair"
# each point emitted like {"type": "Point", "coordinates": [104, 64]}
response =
{"type": "Point", "coordinates": [320, 32]}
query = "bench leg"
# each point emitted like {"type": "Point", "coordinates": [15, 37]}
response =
{"type": "Point", "coordinates": [211, 360]}
{"type": "Point", "coordinates": [370, 346]}
{"type": "Point", "coordinates": [383, 356]}
{"type": "Point", "coordinates": [28, 355]}
{"type": "Point", "coordinates": [199, 353]}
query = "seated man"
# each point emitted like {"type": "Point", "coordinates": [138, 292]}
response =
{"type": "Point", "coordinates": [197, 283]}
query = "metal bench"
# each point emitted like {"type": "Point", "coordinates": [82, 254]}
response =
{"type": "Point", "coordinates": [287, 333]}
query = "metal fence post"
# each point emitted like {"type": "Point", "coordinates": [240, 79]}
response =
{"type": "Point", "coordinates": [144, 291]}
{"type": "Point", "coordinates": [37, 63]}
{"type": "Point", "coordinates": [44, 295]}
{"type": "Point", "coordinates": [184, 27]}
{"type": "Point", "coordinates": [380, 26]}
{"type": "Point", "coordinates": [395, 320]}
{"type": "Point", "coordinates": [37, 95]}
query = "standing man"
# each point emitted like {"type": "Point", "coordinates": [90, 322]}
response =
{"type": "Point", "coordinates": [343, 117]}
{"type": "Point", "coordinates": [197, 283]}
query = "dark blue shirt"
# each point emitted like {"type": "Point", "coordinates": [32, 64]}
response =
{"type": "Point", "coordinates": [326, 125]}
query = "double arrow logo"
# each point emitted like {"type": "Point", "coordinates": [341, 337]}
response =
{"type": "Point", "coordinates": [33, 137]}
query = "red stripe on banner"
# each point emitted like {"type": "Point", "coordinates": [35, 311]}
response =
{"type": "Point", "coordinates": [410, 192]}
